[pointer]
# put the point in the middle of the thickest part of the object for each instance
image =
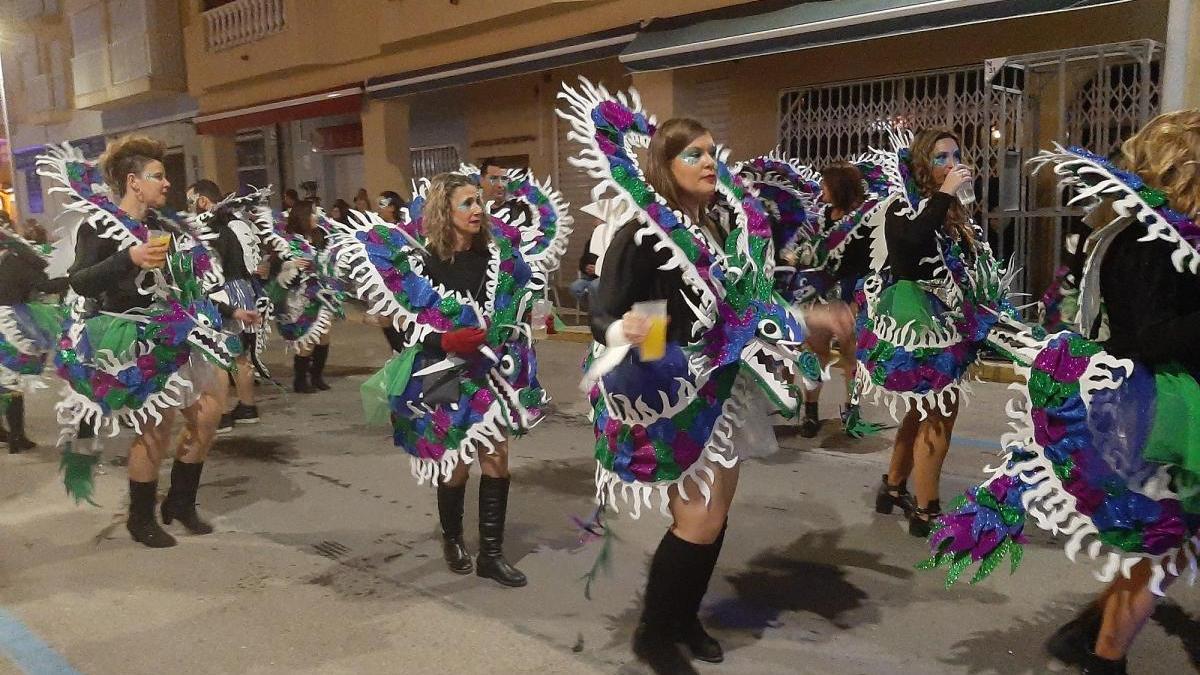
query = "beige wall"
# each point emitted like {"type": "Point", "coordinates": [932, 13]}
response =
{"type": "Point", "coordinates": [327, 45]}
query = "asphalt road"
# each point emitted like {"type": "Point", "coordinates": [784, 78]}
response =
{"type": "Point", "coordinates": [326, 559]}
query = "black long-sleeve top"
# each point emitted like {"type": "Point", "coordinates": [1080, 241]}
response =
{"type": "Point", "coordinates": [631, 275]}
{"type": "Point", "coordinates": [229, 248]}
{"type": "Point", "coordinates": [1153, 309]}
{"type": "Point", "coordinates": [910, 239]}
{"type": "Point", "coordinates": [23, 273]}
{"type": "Point", "coordinates": [466, 274]}
{"type": "Point", "coordinates": [855, 262]}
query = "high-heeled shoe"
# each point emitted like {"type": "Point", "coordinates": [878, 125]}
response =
{"type": "Point", "coordinates": [889, 497]}
{"type": "Point", "coordinates": [920, 522]}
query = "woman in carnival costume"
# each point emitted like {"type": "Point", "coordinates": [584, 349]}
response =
{"type": "Point", "coordinates": [1103, 452]}
{"type": "Point", "coordinates": [673, 428]}
{"type": "Point", "coordinates": [304, 288]}
{"type": "Point", "coordinates": [28, 329]}
{"type": "Point", "coordinates": [234, 241]}
{"type": "Point", "coordinates": [934, 292]}
{"type": "Point", "coordinates": [139, 344]}
{"type": "Point", "coordinates": [458, 285]}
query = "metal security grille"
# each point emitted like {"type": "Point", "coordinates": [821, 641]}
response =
{"type": "Point", "coordinates": [1091, 96]}
{"type": "Point", "coordinates": [839, 121]}
{"type": "Point", "coordinates": [431, 160]}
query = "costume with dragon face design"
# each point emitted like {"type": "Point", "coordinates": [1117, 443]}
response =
{"type": "Point", "coordinates": [304, 302]}
{"type": "Point", "coordinates": [498, 392]}
{"type": "Point", "coordinates": [662, 423]}
{"type": "Point", "coordinates": [916, 339]}
{"type": "Point", "coordinates": [236, 215]}
{"type": "Point", "coordinates": [28, 330]}
{"type": "Point", "coordinates": [130, 367]}
{"type": "Point", "coordinates": [1102, 450]}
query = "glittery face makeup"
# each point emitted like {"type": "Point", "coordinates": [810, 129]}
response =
{"type": "Point", "coordinates": [695, 170]}
{"type": "Point", "coordinates": [466, 210]}
{"type": "Point", "coordinates": [692, 154]}
{"type": "Point", "coordinates": [946, 155]}
{"type": "Point", "coordinates": [469, 203]}
{"type": "Point", "coordinates": [152, 184]}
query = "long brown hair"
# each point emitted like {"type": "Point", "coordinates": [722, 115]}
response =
{"type": "Point", "coordinates": [922, 165]}
{"type": "Point", "coordinates": [844, 183]}
{"type": "Point", "coordinates": [668, 141]}
{"type": "Point", "coordinates": [126, 155]}
{"type": "Point", "coordinates": [437, 220]}
{"type": "Point", "coordinates": [1166, 155]}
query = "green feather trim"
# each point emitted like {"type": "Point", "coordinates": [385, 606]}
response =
{"type": "Point", "coordinates": [79, 476]}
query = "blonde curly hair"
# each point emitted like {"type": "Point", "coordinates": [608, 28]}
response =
{"type": "Point", "coordinates": [1166, 155]}
{"type": "Point", "coordinates": [437, 219]}
{"type": "Point", "coordinates": [126, 155]}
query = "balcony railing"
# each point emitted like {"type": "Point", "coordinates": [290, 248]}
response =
{"type": "Point", "coordinates": [242, 21]}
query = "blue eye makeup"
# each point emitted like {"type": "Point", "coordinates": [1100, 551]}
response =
{"type": "Point", "coordinates": [943, 158]}
{"type": "Point", "coordinates": [468, 204]}
{"type": "Point", "coordinates": [691, 156]}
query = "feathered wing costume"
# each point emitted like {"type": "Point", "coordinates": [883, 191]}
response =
{"type": "Point", "coordinates": [1095, 453]}
{"type": "Point", "coordinates": [130, 367]}
{"type": "Point", "coordinates": [499, 394]}
{"type": "Point", "coordinates": [663, 423]}
{"type": "Point", "coordinates": [917, 339]}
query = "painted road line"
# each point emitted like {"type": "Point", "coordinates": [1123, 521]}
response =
{"type": "Point", "coordinates": [27, 651]}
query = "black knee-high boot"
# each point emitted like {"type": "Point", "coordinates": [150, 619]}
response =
{"type": "Point", "coordinates": [319, 356]}
{"type": "Point", "coordinates": [663, 605]}
{"type": "Point", "coordinates": [181, 498]}
{"type": "Point", "coordinates": [300, 366]}
{"type": "Point", "coordinates": [696, 576]}
{"type": "Point", "coordinates": [141, 524]}
{"type": "Point", "coordinates": [450, 514]}
{"type": "Point", "coordinates": [493, 505]}
{"type": "Point", "coordinates": [14, 415]}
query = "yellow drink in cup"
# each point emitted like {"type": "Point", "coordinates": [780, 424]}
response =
{"type": "Point", "coordinates": [654, 347]}
{"type": "Point", "coordinates": [159, 238]}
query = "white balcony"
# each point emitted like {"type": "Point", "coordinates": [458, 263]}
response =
{"type": "Point", "coordinates": [241, 22]}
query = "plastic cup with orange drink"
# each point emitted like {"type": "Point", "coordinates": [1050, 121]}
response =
{"type": "Point", "coordinates": [654, 347]}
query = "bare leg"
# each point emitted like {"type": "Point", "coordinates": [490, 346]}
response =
{"type": "Point", "coordinates": [1127, 604]}
{"type": "Point", "coordinates": [902, 451]}
{"type": "Point", "coordinates": [700, 523]}
{"type": "Point", "coordinates": [929, 453]}
{"type": "Point", "coordinates": [201, 418]}
{"type": "Point", "coordinates": [148, 450]}
{"type": "Point", "coordinates": [495, 464]}
{"type": "Point", "coordinates": [243, 380]}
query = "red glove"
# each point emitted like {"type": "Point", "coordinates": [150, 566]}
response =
{"type": "Point", "coordinates": [463, 340]}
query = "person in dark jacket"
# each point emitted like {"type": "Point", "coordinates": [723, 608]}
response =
{"type": "Point", "coordinates": [22, 278]}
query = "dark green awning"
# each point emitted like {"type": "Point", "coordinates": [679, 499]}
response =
{"type": "Point", "coordinates": [771, 26]}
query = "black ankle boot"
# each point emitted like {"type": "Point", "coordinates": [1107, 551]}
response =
{"type": "Point", "coordinates": [1073, 642]}
{"type": "Point", "coordinates": [319, 356]}
{"type": "Point", "coordinates": [886, 501]}
{"type": "Point", "coordinates": [695, 577]}
{"type": "Point", "coordinates": [655, 642]}
{"type": "Point", "coordinates": [920, 522]}
{"type": "Point", "coordinates": [493, 505]}
{"type": "Point", "coordinates": [141, 523]}
{"type": "Point", "coordinates": [300, 367]}
{"type": "Point", "coordinates": [14, 415]}
{"type": "Point", "coordinates": [450, 514]}
{"type": "Point", "coordinates": [811, 423]}
{"type": "Point", "coordinates": [1095, 665]}
{"type": "Point", "coordinates": [181, 498]}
